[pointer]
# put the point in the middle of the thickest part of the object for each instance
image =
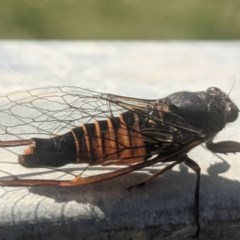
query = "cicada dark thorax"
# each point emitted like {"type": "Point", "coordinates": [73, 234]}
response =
{"type": "Point", "coordinates": [115, 140]}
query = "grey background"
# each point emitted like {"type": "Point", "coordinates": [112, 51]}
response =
{"type": "Point", "coordinates": [106, 210]}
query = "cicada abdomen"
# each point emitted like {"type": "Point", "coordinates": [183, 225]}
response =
{"type": "Point", "coordinates": [116, 140]}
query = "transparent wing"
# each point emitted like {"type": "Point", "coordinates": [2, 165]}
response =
{"type": "Point", "coordinates": [51, 111]}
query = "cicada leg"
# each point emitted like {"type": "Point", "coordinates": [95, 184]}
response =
{"type": "Point", "coordinates": [147, 180]}
{"type": "Point", "coordinates": [223, 146]}
{"type": "Point", "coordinates": [195, 167]}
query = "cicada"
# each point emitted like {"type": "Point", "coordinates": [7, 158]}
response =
{"type": "Point", "coordinates": [71, 125]}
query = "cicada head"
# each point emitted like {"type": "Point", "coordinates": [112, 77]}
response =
{"type": "Point", "coordinates": [231, 110]}
{"type": "Point", "coordinates": [209, 111]}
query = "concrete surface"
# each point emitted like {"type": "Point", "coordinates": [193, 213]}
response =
{"type": "Point", "coordinates": [162, 209]}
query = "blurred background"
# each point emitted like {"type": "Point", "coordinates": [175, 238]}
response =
{"type": "Point", "coordinates": [119, 19]}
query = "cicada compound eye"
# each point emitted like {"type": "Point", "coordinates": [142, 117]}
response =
{"type": "Point", "coordinates": [231, 112]}
{"type": "Point", "coordinates": [214, 91]}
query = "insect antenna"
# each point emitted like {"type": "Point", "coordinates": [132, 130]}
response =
{"type": "Point", "coordinates": [234, 80]}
